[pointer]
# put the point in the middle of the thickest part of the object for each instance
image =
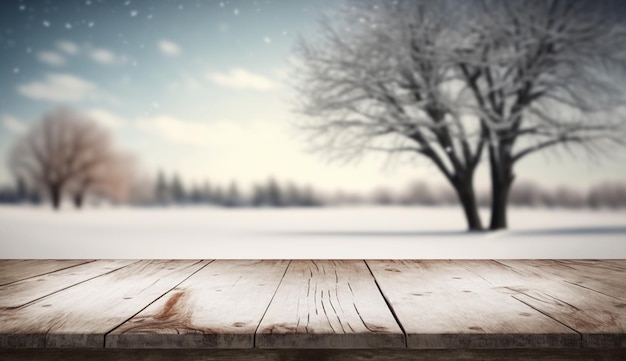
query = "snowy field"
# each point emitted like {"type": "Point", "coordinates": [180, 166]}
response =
{"type": "Point", "coordinates": [370, 233]}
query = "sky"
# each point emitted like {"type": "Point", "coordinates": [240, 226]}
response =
{"type": "Point", "coordinates": [201, 89]}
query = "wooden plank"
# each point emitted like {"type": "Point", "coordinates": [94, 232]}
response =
{"type": "Point", "coordinates": [604, 277]}
{"type": "Point", "coordinates": [442, 305]}
{"type": "Point", "coordinates": [219, 307]}
{"type": "Point", "coordinates": [311, 355]}
{"type": "Point", "coordinates": [329, 304]}
{"type": "Point", "coordinates": [22, 292]}
{"type": "Point", "coordinates": [20, 269]}
{"type": "Point", "coordinates": [600, 319]}
{"type": "Point", "coordinates": [80, 316]}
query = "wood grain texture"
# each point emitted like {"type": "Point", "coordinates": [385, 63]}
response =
{"type": "Point", "coordinates": [312, 355]}
{"type": "Point", "coordinates": [22, 292]}
{"type": "Point", "coordinates": [600, 319]}
{"type": "Point", "coordinates": [80, 316]}
{"type": "Point", "coordinates": [329, 304]}
{"type": "Point", "coordinates": [219, 307]}
{"type": "Point", "coordinates": [606, 277]}
{"type": "Point", "coordinates": [440, 304]}
{"type": "Point", "coordinates": [20, 269]}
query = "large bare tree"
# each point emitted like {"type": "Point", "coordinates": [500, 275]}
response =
{"type": "Point", "coordinates": [446, 79]}
{"type": "Point", "coordinates": [64, 153]}
{"type": "Point", "coordinates": [544, 74]}
{"type": "Point", "coordinates": [378, 80]}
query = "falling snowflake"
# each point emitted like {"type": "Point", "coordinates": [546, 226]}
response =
{"type": "Point", "coordinates": [155, 105]}
{"type": "Point", "coordinates": [221, 5]}
{"type": "Point", "coordinates": [149, 17]}
{"type": "Point", "coordinates": [16, 70]}
{"type": "Point", "coordinates": [127, 3]}
{"type": "Point", "coordinates": [267, 40]}
{"type": "Point", "coordinates": [180, 7]}
{"type": "Point", "coordinates": [22, 7]}
{"type": "Point", "coordinates": [134, 13]}
{"type": "Point", "coordinates": [236, 11]}
{"type": "Point", "coordinates": [29, 50]}
{"type": "Point", "coordinates": [88, 2]}
{"type": "Point", "coordinates": [68, 26]}
{"type": "Point", "coordinates": [91, 24]}
{"type": "Point", "coordinates": [46, 23]}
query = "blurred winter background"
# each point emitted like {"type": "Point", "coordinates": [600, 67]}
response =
{"type": "Point", "coordinates": [160, 129]}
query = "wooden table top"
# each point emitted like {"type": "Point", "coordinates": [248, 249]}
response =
{"type": "Point", "coordinates": [323, 304]}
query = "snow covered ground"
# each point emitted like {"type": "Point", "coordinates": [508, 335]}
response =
{"type": "Point", "coordinates": [370, 233]}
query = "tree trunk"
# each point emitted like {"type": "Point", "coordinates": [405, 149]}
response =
{"type": "Point", "coordinates": [467, 197]}
{"type": "Point", "coordinates": [55, 196]}
{"type": "Point", "coordinates": [500, 195]}
{"type": "Point", "coordinates": [78, 200]}
{"type": "Point", "coordinates": [501, 181]}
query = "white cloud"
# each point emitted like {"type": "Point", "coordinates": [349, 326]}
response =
{"type": "Point", "coordinates": [60, 87]}
{"type": "Point", "coordinates": [14, 124]}
{"type": "Point", "coordinates": [186, 82]}
{"type": "Point", "coordinates": [68, 47]}
{"type": "Point", "coordinates": [177, 130]}
{"type": "Point", "coordinates": [169, 48]}
{"type": "Point", "coordinates": [106, 119]}
{"type": "Point", "coordinates": [51, 58]}
{"type": "Point", "coordinates": [239, 78]}
{"type": "Point", "coordinates": [103, 56]}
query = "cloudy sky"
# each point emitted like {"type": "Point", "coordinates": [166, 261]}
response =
{"type": "Point", "coordinates": [199, 88]}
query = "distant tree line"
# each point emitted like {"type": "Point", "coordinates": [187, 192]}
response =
{"type": "Point", "coordinates": [523, 194]}
{"type": "Point", "coordinates": [173, 191]}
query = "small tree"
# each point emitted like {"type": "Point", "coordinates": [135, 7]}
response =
{"type": "Point", "coordinates": [233, 197]}
{"type": "Point", "coordinates": [64, 149]}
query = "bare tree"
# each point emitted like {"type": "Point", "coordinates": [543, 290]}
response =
{"type": "Point", "coordinates": [543, 74]}
{"type": "Point", "coordinates": [379, 79]}
{"type": "Point", "coordinates": [113, 178]}
{"type": "Point", "coordinates": [63, 152]}
{"type": "Point", "coordinates": [446, 79]}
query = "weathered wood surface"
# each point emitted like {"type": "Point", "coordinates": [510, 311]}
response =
{"type": "Point", "coordinates": [329, 304]}
{"type": "Point", "coordinates": [105, 354]}
{"type": "Point", "coordinates": [542, 309]}
{"type": "Point", "coordinates": [606, 277]}
{"type": "Point", "coordinates": [221, 306]}
{"type": "Point", "coordinates": [440, 304]}
{"type": "Point", "coordinates": [80, 316]}
{"type": "Point", "coordinates": [600, 319]}
{"type": "Point", "coordinates": [19, 293]}
{"type": "Point", "coordinates": [16, 270]}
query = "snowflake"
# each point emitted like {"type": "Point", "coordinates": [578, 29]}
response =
{"type": "Point", "coordinates": [22, 7]}
{"type": "Point", "coordinates": [68, 26]}
{"type": "Point", "coordinates": [46, 23]}
{"type": "Point", "coordinates": [267, 40]}
{"type": "Point", "coordinates": [134, 13]}
{"type": "Point", "coordinates": [236, 11]}
{"type": "Point", "coordinates": [91, 24]}
{"type": "Point", "coordinates": [16, 70]}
